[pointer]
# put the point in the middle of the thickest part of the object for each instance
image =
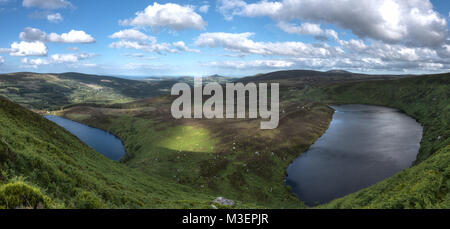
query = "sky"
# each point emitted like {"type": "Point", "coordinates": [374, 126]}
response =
{"type": "Point", "coordinates": [226, 37]}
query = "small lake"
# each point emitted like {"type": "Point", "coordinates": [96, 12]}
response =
{"type": "Point", "coordinates": [99, 140]}
{"type": "Point", "coordinates": [363, 145]}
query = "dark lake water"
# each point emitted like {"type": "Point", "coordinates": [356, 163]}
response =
{"type": "Point", "coordinates": [363, 145]}
{"type": "Point", "coordinates": [99, 140]}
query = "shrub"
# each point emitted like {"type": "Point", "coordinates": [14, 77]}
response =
{"type": "Point", "coordinates": [21, 195]}
{"type": "Point", "coordinates": [237, 180]}
{"type": "Point", "coordinates": [87, 200]}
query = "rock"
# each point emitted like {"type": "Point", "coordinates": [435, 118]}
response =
{"type": "Point", "coordinates": [223, 201]}
{"type": "Point", "coordinates": [213, 206]}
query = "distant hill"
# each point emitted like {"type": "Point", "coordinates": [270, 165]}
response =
{"type": "Point", "coordinates": [337, 71]}
{"type": "Point", "coordinates": [53, 91]}
{"type": "Point", "coordinates": [296, 78]}
{"type": "Point", "coordinates": [190, 80]}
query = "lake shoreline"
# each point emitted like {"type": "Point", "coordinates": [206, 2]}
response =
{"type": "Point", "coordinates": [116, 138]}
{"type": "Point", "coordinates": [389, 115]}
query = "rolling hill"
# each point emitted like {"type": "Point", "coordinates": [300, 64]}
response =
{"type": "Point", "coordinates": [54, 91]}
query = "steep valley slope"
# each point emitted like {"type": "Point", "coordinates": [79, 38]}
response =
{"type": "Point", "coordinates": [41, 164]}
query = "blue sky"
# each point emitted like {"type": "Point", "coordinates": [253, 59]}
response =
{"type": "Point", "coordinates": [228, 37]}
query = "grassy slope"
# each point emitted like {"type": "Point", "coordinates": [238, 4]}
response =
{"type": "Point", "coordinates": [73, 175]}
{"type": "Point", "coordinates": [427, 99]}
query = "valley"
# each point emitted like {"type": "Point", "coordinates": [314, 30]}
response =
{"type": "Point", "coordinates": [187, 163]}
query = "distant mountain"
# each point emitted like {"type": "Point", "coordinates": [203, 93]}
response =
{"type": "Point", "coordinates": [339, 71]}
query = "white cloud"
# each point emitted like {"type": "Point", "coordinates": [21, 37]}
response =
{"type": "Point", "coordinates": [431, 66]}
{"type": "Point", "coordinates": [73, 48]}
{"type": "Point", "coordinates": [169, 15]}
{"type": "Point", "coordinates": [140, 56]}
{"type": "Point", "coordinates": [349, 62]}
{"type": "Point", "coordinates": [24, 48]}
{"type": "Point", "coordinates": [134, 39]}
{"type": "Point", "coordinates": [146, 66]}
{"type": "Point", "coordinates": [143, 46]}
{"type": "Point", "coordinates": [56, 59]}
{"type": "Point", "coordinates": [34, 63]}
{"type": "Point", "coordinates": [240, 42]}
{"type": "Point", "coordinates": [74, 36]}
{"type": "Point", "coordinates": [136, 55]}
{"type": "Point", "coordinates": [132, 34]}
{"type": "Point", "coordinates": [231, 8]}
{"type": "Point", "coordinates": [353, 44]}
{"type": "Point", "coordinates": [47, 4]}
{"type": "Point", "coordinates": [308, 29]}
{"type": "Point", "coordinates": [69, 58]}
{"type": "Point", "coordinates": [254, 64]}
{"type": "Point", "coordinates": [33, 34]}
{"type": "Point", "coordinates": [2, 60]}
{"type": "Point", "coordinates": [351, 54]}
{"type": "Point", "coordinates": [55, 18]}
{"type": "Point", "coordinates": [392, 21]}
{"type": "Point", "coordinates": [5, 50]}
{"type": "Point", "coordinates": [84, 65]}
{"type": "Point", "coordinates": [182, 47]}
{"type": "Point", "coordinates": [203, 9]}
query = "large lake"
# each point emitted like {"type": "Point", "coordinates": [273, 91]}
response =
{"type": "Point", "coordinates": [99, 140]}
{"type": "Point", "coordinates": [363, 145]}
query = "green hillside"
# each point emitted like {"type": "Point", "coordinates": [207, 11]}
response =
{"type": "Point", "coordinates": [42, 165]}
